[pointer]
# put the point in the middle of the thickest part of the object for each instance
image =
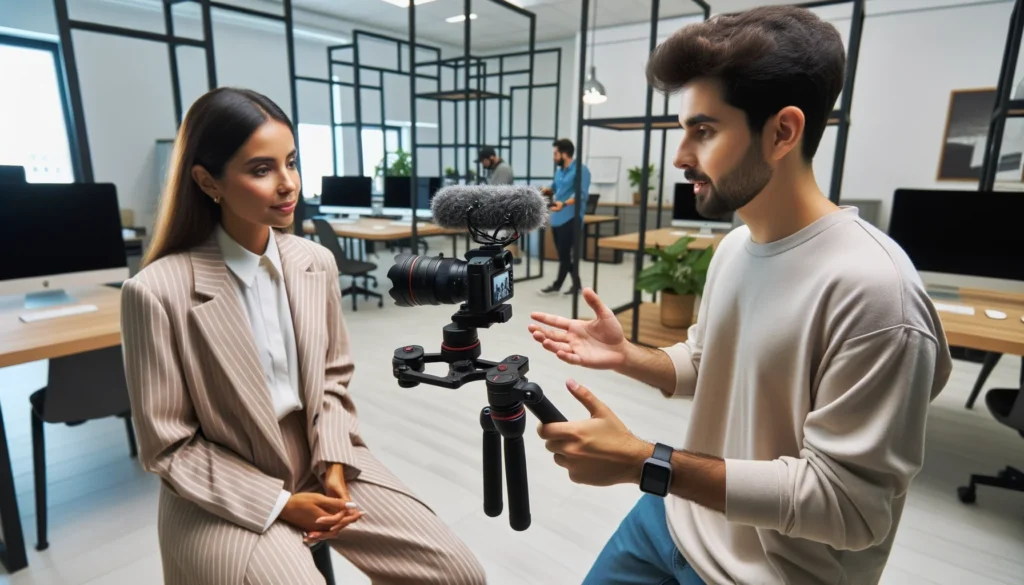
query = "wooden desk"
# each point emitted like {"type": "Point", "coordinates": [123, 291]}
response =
{"type": "Point", "coordinates": [590, 222]}
{"type": "Point", "coordinates": [663, 237]}
{"type": "Point", "coordinates": [381, 230]}
{"type": "Point", "coordinates": [979, 332]}
{"type": "Point", "coordinates": [28, 342]}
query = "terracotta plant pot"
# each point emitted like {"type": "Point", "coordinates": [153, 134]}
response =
{"type": "Point", "coordinates": [677, 310]}
{"type": "Point", "coordinates": [636, 198]}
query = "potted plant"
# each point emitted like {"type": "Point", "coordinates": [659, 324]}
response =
{"type": "Point", "coordinates": [401, 167]}
{"type": "Point", "coordinates": [634, 181]}
{"type": "Point", "coordinates": [451, 176]}
{"type": "Point", "coordinates": [679, 274]}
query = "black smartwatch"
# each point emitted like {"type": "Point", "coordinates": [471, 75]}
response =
{"type": "Point", "coordinates": [656, 477]}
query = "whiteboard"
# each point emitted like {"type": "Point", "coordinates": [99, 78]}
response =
{"type": "Point", "coordinates": [604, 169]}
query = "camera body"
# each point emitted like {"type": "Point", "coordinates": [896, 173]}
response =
{"type": "Point", "coordinates": [489, 279]}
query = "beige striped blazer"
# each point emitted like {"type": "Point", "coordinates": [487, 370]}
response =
{"type": "Point", "coordinates": [203, 413]}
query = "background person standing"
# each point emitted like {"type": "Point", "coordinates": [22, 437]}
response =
{"type": "Point", "coordinates": [563, 201]}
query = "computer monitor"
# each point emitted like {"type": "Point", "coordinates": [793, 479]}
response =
{"type": "Point", "coordinates": [12, 175]}
{"type": "Point", "coordinates": [59, 236]}
{"type": "Point", "coordinates": [684, 212]}
{"type": "Point", "coordinates": [398, 194]}
{"type": "Point", "coordinates": [346, 195]}
{"type": "Point", "coordinates": [961, 238]}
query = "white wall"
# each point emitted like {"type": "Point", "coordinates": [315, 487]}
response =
{"type": "Point", "coordinates": [126, 83]}
{"type": "Point", "coordinates": [913, 53]}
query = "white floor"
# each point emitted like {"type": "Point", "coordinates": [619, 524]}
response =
{"type": "Point", "coordinates": [103, 506]}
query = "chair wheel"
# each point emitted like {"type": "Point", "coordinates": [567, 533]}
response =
{"type": "Point", "coordinates": [380, 304]}
{"type": "Point", "coordinates": [966, 494]}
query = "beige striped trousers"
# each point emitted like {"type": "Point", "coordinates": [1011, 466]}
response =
{"type": "Point", "coordinates": [398, 541]}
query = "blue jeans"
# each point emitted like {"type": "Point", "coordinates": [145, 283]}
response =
{"type": "Point", "coordinates": [642, 552]}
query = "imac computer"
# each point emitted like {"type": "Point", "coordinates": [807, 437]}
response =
{"type": "Point", "coordinates": [398, 195]}
{"type": "Point", "coordinates": [59, 236]}
{"type": "Point", "coordinates": [684, 213]}
{"type": "Point", "coordinates": [346, 195]}
{"type": "Point", "coordinates": [970, 239]}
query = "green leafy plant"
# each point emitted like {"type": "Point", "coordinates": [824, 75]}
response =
{"type": "Point", "coordinates": [678, 269]}
{"type": "Point", "coordinates": [635, 174]}
{"type": "Point", "coordinates": [451, 173]}
{"type": "Point", "coordinates": [401, 167]}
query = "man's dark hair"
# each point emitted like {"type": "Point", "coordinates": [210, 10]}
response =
{"type": "Point", "coordinates": [564, 146]}
{"type": "Point", "coordinates": [766, 59]}
{"type": "Point", "coordinates": [486, 152]}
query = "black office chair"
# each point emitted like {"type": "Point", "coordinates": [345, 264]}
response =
{"type": "Point", "coordinates": [81, 387]}
{"type": "Point", "coordinates": [348, 266]}
{"type": "Point", "coordinates": [1007, 406]}
{"type": "Point", "coordinates": [591, 207]}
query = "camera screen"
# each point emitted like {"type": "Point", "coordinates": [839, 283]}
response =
{"type": "Point", "coordinates": [501, 287]}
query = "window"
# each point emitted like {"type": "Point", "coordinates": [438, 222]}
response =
{"type": "Point", "coordinates": [33, 111]}
{"type": "Point", "coordinates": [315, 153]}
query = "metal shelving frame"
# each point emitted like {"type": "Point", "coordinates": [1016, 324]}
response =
{"type": "Point", "coordinates": [474, 71]}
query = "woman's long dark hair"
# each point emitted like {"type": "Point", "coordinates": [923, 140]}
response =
{"type": "Point", "coordinates": [215, 127]}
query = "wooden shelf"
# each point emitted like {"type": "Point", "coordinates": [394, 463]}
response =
{"type": "Point", "coordinates": [651, 332]}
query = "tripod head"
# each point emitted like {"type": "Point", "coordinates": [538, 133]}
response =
{"type": "Point", "coordinates": [509, 394]}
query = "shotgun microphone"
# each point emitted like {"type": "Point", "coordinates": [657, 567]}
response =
{"type": "Point", "coordinates": [519, 208]}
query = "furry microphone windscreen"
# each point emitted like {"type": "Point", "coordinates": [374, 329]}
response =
{"type": "Point", "coordinates": [518, 206]}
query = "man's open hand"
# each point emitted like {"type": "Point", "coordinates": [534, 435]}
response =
{"type": "Point", "coordinates": [597, 451]}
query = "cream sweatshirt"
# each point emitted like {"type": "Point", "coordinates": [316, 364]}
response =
{"type": "Point", "coordinates": [811, 366]}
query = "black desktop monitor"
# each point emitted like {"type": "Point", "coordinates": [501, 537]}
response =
{"type": "Point", "coordinates": [397, 192]}
{"type": "Point", "coordinates": [966, 233]}
{"type": "Point", "coordinates": [58, 236]}
{"type": "Point", "coordinates": [346, 192]}
{"type": "Point", "coordinates": [685, 214]}
{"type": "Point", "coordinates": [12, 175]}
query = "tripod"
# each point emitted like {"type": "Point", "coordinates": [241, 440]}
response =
{"type": "Point", "coordinates": [509, 394]}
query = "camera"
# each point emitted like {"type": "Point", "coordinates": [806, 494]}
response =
{"type": "Point", "coordinates": [483, 281]}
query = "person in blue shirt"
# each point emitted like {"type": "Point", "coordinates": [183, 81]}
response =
{"type": "Point", "coordinates": [563, 209]}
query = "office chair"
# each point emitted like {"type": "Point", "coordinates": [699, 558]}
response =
{"type": "Point", "coordinates": [1007, 406]}
{"type": "Point", "coordinates": [591, 207]}
{"type": "Point", "coordinates": [347, 266]}
{"type": "Point", "coordinates": [322, 560]}
{"type": "Point", "coordinates": [81, 387]}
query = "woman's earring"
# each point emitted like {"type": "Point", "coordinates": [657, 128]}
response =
{"type": "Point", "coordinates": [216, 199]}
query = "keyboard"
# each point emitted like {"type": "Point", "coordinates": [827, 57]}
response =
{"type": "Point", "coordinates": [58, 312]}
{"type": "Point", "coordinates": [951, 308]}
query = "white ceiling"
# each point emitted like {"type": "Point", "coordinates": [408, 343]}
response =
{"type": "Point", "coordinates": [499, 27]}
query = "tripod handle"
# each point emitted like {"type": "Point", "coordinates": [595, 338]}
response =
{"type": "Point", "coordinates": [539, 404]}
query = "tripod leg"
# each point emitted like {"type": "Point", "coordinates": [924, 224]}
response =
{"type": "Point", "coordinates": [518, 487]}
{"type": "Point", "coordinates": [492, 465]}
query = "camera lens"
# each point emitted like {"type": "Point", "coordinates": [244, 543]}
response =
{"type": "Point", "coordinates": [427, 280]}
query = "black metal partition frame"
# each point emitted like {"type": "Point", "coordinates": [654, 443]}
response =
{"type": "Point", "coordinates": [65, 26]}
{"type": "Point", "coordinates": [665, 122]}
{"type": "Point", "coordinates": [1005, 107]}
{"type": "Point", "coordinates": [474, 71]}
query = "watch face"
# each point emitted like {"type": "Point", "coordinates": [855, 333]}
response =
{"type": "Point", "coordinates": [656, 478]}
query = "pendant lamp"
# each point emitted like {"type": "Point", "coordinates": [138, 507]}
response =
{"type": "Point", "coordinates": [593, 90]}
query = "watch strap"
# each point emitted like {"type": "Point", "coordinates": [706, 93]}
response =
{"type": "Point", "coordinates": [663, 452]}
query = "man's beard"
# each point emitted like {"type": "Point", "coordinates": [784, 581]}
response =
{"type": "Point", "coordinates": [735, 189]}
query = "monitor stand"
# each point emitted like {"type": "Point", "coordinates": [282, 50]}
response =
{"type": "Point", "coordinates": [51, 298]}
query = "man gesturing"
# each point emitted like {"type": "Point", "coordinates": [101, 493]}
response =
{"type": "Point", "coordinates": [814, 358]}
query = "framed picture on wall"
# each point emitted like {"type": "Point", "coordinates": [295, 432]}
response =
{"type": "Point", "coordinates": [963, 147]}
